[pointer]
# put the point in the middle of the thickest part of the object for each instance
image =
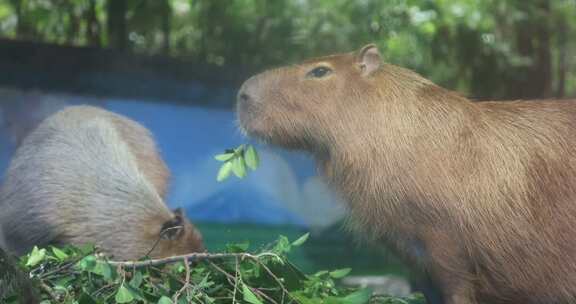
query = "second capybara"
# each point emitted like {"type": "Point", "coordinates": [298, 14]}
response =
{"type": "Point", "coordinates": [87, 175]}
{"type": "Point", "coordinates": [482, 195]}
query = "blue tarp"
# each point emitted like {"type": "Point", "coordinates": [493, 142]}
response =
{"type": "Point", "coordinates": [283, 190]}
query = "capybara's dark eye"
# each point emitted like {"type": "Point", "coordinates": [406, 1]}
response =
{"type": "Point", "coordinates": [319, 72]}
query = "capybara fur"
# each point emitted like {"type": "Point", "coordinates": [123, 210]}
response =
{"type": "Point", "coordinates": [89, 176]}
{"type": "Point", "coordinates": [480, 194]}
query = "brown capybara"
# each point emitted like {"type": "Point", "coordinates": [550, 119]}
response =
{"type": "Point", "coordinates": [480, 194]}
{"type": "Point", "coordinates": [86, 175]}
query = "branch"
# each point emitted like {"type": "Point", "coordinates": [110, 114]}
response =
{"type": "Point", "coordinates": [49, 291]}
{"type": "Point", "coordinates": [186, 282]}
{"type": "Point", "coordinates": [229, 276]}
{"type": "Point", "coordinates": [211, 256]}
{"type": "Point", "coordinates": [178, 258]}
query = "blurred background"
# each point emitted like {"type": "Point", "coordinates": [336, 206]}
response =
{"type": "Point", "coordinates": [175, 66]}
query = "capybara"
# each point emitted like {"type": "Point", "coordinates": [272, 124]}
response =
{"type": "Point", "coordinates": [480, 194]}
{"type": "Point", "coordinates": [86, 175]}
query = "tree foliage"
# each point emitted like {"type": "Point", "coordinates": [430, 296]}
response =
{"type": "Point", "coordinates": [488, 49]}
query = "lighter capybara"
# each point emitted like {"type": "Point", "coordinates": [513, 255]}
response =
{"type": "Point", "coordinates": [86, 175]}
{"type": "Point", "coordinates": [480, 194]}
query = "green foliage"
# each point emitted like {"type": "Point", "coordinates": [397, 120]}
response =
{"type": "Point", "coordinates": [489, 49]}
{"type": "Point", "coordinates": [237, 161]}
{"type": "Point", "coordinates": [80, 275]}
{"type": "Point", "coordinates": [36, 256]}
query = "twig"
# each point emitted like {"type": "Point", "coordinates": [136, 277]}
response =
{"type": "Point", "coordinates": [255, 290]}
{"type": "Point", "coordinates": [102, 289]}
{"type": "Point", "coordinates": [284, 291]}
{"type": "Point", "coordinates": [221, 270]}
{"type": "Point", "coordinates": [262, 294]}
{"type": "Point", "coordinates": [61, 268]}
{"type": "Point", "coordinates": [186, 282]}
{"type": "Point", "coordinates": [177, 258]}
{"type": "Point", "coordinates": [49, 291]}
{"type": "Point", "coordinates": [235, 282]}
{"type": "Point", "coordinates": [162, 233]}
{"type": "Point", "coordinates": [211, 256]}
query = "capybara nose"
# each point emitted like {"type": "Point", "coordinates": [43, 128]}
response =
{"type": "Point", "coordinates": [248, 91]}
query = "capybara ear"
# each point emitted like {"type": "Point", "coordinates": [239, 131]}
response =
{"type": "Point", "coordinates": [369, 59]}
{"type": "Point", "coordinates": [173, 228]}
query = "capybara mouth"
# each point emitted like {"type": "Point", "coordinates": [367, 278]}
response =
{"type": "Point", "coordinates": [248, 118]}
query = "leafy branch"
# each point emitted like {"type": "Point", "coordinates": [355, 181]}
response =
{"type": "Point", "coordinates": [82, 275]}
{"type": "Point", "coordinates": [237, 161]}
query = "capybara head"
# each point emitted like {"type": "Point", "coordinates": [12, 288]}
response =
{"type": "Point", "coordinates": [311, 105]}
{"type": "Point", "coordinates": [177, 236]}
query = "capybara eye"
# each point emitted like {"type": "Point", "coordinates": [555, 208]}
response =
{"type": "Point", "coordinates": [319, 72]}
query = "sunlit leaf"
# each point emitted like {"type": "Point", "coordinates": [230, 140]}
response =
{"type": "Point", "coordinates": [249, 296]}
{"type": "Point", "coordinates": [165, 300]}
{"type": "Point", "coordinates": [61, 255]}
{"type": "Point", "coordinates": [136, 279]}
{"type": "Point", "coordinates": [359, 297]}
{"type": "Point", "coordinates": [123, 295]}
{"type": "Point", "coordinates": [251, 158]}
{"type": "Point", "coordinates": [36, 256]}
{"type": "Point", "coordinates": [224, 157]}
{"type": "Point", "coordinates": [239, 167]}
{"type": "Point", "coordinates": [224, 171]}
{"type": "Point", "coordinates": [301, 240]}
{"type": "Point", "coordinates": [340, 273]}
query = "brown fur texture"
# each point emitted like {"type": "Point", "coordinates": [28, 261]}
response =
{"type": "Point", "coordinates": [86, 175]}
{"type": "Point", "coordinates": [482, 195]}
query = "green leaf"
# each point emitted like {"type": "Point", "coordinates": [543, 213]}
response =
{"type": "Point", "coordinates": [123, 295]}
{"type": "Point", "coordinates": [36, 256]}
{"type": "Point", "coordinates": [165, 300]}
{"type": "Point", "coordinates": [59, 254]}
{"type": "Point", "coordinates": [87, 263]}
{"type": "Point", "coordinates": [320, 273]}
{"type": "Point", "coordinates": [204, 284]}
{"type": "Point", "coordinates": [301, 240]}
{"type": "Point", "coordinates": [340, 273]}
{"type": "Point", "coordinates": [65, 281]}
{"type": "Point", "coordinates": [224, 157]}
{"type": "Point", "coordinates": [86, 299]}
{"type": "Point", "coordinates": [137, 279]}
{"type": "Point", "coordinates": [135, 292]}
{"type": "Point", "coordinates": [239, 167]}
{"type": "Point", "coordinates": [59, 289]}
{"type": "Point", "coordinates": [249, 296]}
{"type": "Point", "coordinates": [302, 298]}
{"type": "Point", "coordinates": [237, 247]}
{"type": "Point", "coordinates": [251, 158]}
{"type": "Point", "coordinates": [358, 297]}
{"type": "Point", "coordinates": [103, 268]}
{"type": "Point", "coordinates": [282, 245]}
{"type": "Point", "coordinates": [224, 171]}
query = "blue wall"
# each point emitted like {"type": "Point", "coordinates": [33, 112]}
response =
{"type": "Point", "coordinates": [284, 190]}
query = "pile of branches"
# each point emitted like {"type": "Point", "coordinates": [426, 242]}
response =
{"type": "Point", "coordinates": [81, 275]}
